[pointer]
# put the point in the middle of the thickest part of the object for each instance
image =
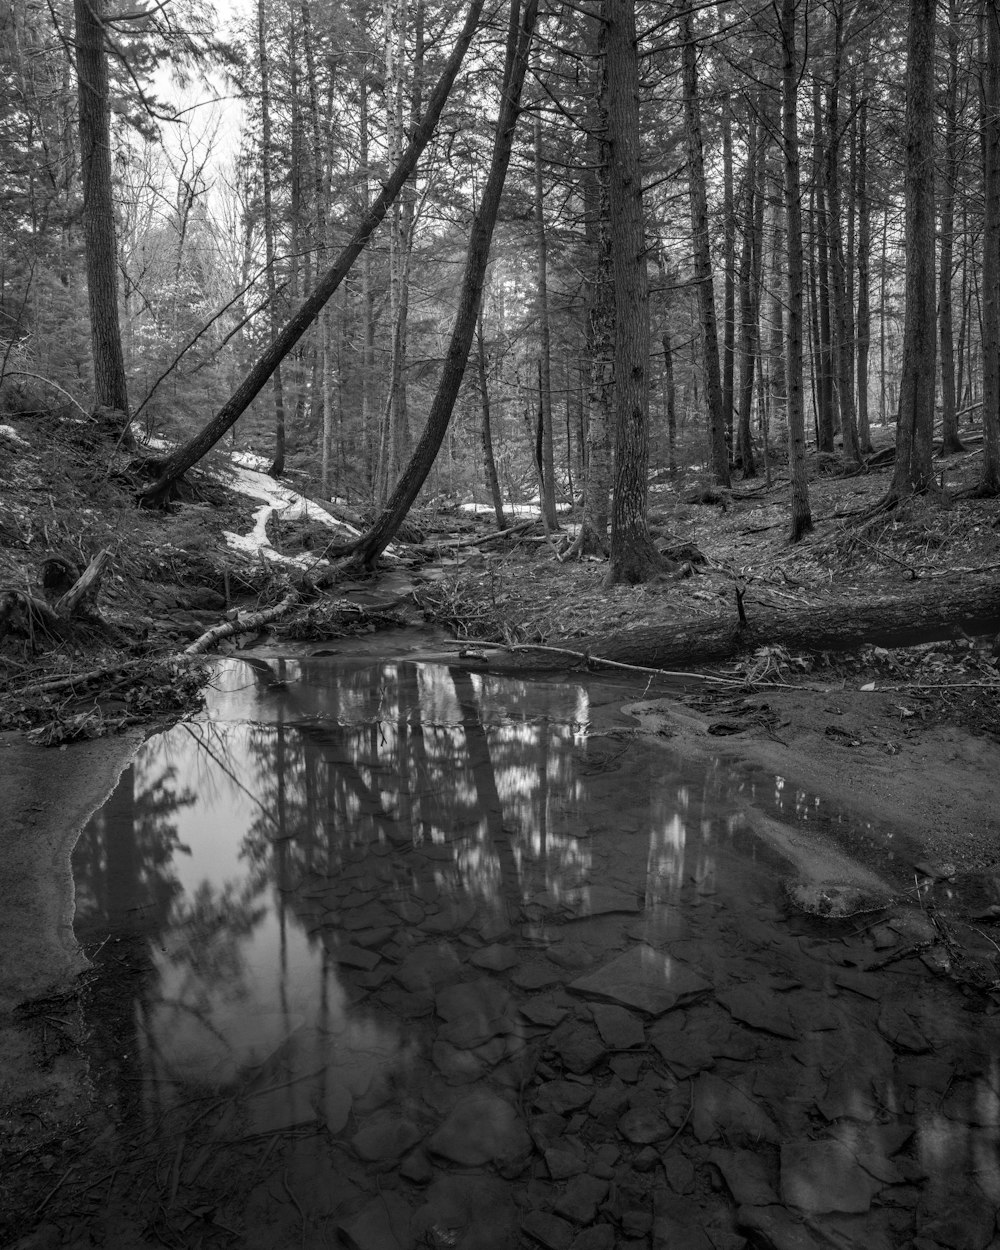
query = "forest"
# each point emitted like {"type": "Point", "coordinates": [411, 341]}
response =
{"type": "Point", "coordinates": [616, 261]}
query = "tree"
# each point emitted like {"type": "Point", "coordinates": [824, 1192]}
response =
{"type": "Point", "coordinates": [698, 196]}
{"type": "Point", "coordinates": [110, 387]}
{"type": "Point", "coordinates": [913, 472]}
{"type": "Point", "coordinates": [179, 461]}
{"type": "Point", "coordinates": [989, 480]}
{"type": "Point", "coordinates": [372, 543]}
{"type": "Point", "coordinates": [633, 556]}
{"type": "Point", "coordinates": [801, 520]}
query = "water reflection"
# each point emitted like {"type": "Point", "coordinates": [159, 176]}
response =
{"type": "Point", "coordinates": [347, 896]}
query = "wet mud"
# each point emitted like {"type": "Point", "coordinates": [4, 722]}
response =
{"type": "Point", "coordinates": [392, 956]}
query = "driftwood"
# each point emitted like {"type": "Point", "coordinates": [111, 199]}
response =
{"type": "Point", "coordinates": [924, 612]}
{"type": "Point", "coordinates": [242, 623]}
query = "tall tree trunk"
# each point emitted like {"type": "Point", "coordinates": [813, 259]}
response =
{"type": "Point", "coordinates": [777, 384]}
{"type": "Point", "coordinates": [371, 544]}
{"type": "Point", "coordinates": [633, 556]}
{"type": "Point", "coordinates": [801, 519]}
{"type": "Point", "coordinates": [728, 265]}
{"type": "Point", "coordinates": [915, 420]}
{"type": "Point", "coordinates": [277, 388]}
{"type": "Point", "coordinates": [989, 480]}
{"type": "Point", "coordinates": [100, 246]}
{"type": "Point", "coordinates": [748, 311]}
{"type": "Point", "coordinates": [547, 465]}
{"type": "Point", "coordinates": [489, 459]}
{"type": "Point", "coordinates": [193, 450]}
{"type": "Point", "coordinates": [824, 355]}
{"type": "Point", "coordinates": [593, 536]}
{"type": "Point", "coordinates": [841, 306]}
{"type": "Point", "coordinates": [950, 442]}
{"type": "Point", "coordinates": [864, 259]}
{"type": "Point", "coordinates": [702, 254]}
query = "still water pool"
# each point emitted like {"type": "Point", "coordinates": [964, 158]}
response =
{"type": "Point", "coordinates": [392, 955]}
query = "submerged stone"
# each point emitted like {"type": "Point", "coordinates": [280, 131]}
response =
{"type": "Point", "coordinates": [383, 1224]}
{"type": "Point", "coordinates": [747, 1176]}
{"type": "Point", "coordinates": [619, 1028]}
{"type": "Point", "coordinates": [822, 1176]}
{"type": "Point", "coordinates": [428, 967]}
{"type": "Point", "coordinates": [723, 1110]}
{"type": "Point", "coordinates": [385, 1135]}
{"type": "Point", "coordinates": [554, 1233]}
{"type": "Point", "coordinates": [481, 1128]}
{"type": "Point", "coordinates": [759, 1009]}
{"type": "Point", "coordinates": [495, 958]}
{"type": "Point", "coordinates": [644, 978]}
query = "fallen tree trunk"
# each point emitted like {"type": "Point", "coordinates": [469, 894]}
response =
{"type": "Point", "coordinates": [242, 623]}
{"type": "Point", "coordinates": [925, 612]}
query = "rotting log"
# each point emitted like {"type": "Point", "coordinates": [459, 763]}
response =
{"type": "Point", "coordinates": [926, 611]}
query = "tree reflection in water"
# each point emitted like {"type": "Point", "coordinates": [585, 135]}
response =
{"type": "Point", "coordinates": [346, 895]}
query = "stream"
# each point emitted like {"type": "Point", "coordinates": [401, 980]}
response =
{"type": "Point", "coordinates": [394, 955]}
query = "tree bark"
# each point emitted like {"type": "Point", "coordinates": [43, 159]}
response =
{"type": "Point", "coordinates": [277, 388]}
{"type": "Point", "coordinates": [547, 465]}
{"type": "Point", "coordinates": [989, 480]}
{"type": "Point", "coordinates": [192, 451]}
{"type": "Point", "coordinates": [100, 246]}
{"type": "Point", "coordinates": [593, 536]}
{"type": "Point", "coordinates": [488, 457]}
{"type": "Point", "coordinates": [864, 322]}
{"type": "Point", "coordinates": [371, 544]}
{"type": "Point", "coordinates": [698, 196]}
{"type": "Point", "coordinates": [951, 444]}
{"type": "Point", "coordinates": [915, 419]}
{"type": "Point", "coordinates": [633, 556]}
{"type": "Point", "coordinates": [801, 518]}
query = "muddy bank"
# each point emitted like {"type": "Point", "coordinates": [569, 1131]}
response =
{"type": "Point", "coordinates": [932, 787]}
{"type": "Point", "coordinates": [46, 796]}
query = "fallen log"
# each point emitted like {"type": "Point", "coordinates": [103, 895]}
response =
{"type": "Point", "coordinates": [923, 611]}
{"type": "Point", "coordinates": [242, 623]}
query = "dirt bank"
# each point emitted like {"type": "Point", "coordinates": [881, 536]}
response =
{"type": "Point", "coordinates": [931, 787]}
{"type": "Point", "coordinates": [46, 797]}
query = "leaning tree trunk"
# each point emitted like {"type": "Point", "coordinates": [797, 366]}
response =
{"type": "Point", "coordinates": [633, 556]}
{"type": "Point", "coordinates": [100, 247]}
{"type": "Point", "coordinates": [801, 520]}
{"type": "Point", "coordinates": [915, 419]}
{"type": "Point", "coordinates": [371, 544]}
{"type": "Point", "coordinates": [698, 196]}
{"type": "Point", "coordinates": [192, 451]}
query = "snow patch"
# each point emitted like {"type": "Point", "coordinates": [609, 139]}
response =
{"type": "Point", "coordinates": [8, 432]}
{"type": "Point", "coordinates": [524, 510]}
{"type": "Point", "coordinates": [283, 502]}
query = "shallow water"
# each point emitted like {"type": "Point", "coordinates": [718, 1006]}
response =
{"type": "Point", "coordinates": [392, 955]}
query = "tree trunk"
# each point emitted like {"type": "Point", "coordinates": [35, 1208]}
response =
{"type": "Point", "coordinates": [915, 420]}
{"type": "Point", "coordinates": [547, 465]}
{"type": "Point", "coordinates": [277, 389]}
{"type": "Point", "coordinates": [371, 544]}
{"type": "Point", "coordinates": [989, 480]}
{"type": "Point", "coordinates": [193, 450]}
{"type": "Point", "coordinates": [698, 195]}
{"type": "Point", "coordinates": [950, 442]}
{"type": "Point", "coordinates": [488, 457]}
{"type": "Point", "coordinates": [748, 312]}
{"type": "Point", "coordinates": [864, 258]}
{"type": "Point", "coordinates": [100, 246]}
{"type": "Point", "coordinates": [841, 307]}
{"type": "Point", "coordinates": [801, 519]}
{"type": "Point", "coordinates": [824, 343]}
{"type": "Point", "coordinates": [728, 266]}
{"type": "Point", "coordinates": [633, 556]}
{"type": "Point", "coordinates": [593, 536]}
